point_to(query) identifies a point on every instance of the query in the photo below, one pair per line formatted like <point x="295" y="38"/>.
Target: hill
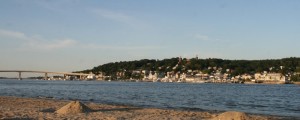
<point x="286" y="66"/>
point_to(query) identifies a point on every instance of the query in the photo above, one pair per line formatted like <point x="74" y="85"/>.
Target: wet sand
<point x="44" y="109"/>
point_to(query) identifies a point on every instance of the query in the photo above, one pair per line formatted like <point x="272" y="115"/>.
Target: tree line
<point x="235" y="67"/>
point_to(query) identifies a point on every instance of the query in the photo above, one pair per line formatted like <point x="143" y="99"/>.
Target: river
<point x="281" y="100"/>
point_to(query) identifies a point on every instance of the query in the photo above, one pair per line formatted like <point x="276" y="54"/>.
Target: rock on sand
<point x="73" y="108"/>
<point x="232" y="115"/>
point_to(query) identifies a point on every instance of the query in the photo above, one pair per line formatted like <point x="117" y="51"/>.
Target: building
<point x="270" y="77"/>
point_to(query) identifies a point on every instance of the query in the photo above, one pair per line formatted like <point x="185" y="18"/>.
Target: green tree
<point x="295" y="78"/>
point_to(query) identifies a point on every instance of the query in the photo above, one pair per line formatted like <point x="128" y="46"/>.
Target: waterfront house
<point x="246" y="77"/>
<point x="270" y="77"/>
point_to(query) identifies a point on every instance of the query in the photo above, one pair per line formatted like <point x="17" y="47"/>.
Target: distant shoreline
<point x="262" y="83"/>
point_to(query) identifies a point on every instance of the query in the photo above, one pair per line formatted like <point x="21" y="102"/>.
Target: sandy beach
<point x="46" y="109"/>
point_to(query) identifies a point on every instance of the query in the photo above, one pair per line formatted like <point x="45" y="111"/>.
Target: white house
<point x="270" y="77"/>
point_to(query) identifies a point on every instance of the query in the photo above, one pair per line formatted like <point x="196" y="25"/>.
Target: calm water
<point x="283" y="100"/>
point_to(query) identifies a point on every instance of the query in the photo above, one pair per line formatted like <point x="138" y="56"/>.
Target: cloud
<point x="12" y="34"/>
<point x="201" y="37"/>
<point x="110" y="47"/>
<point x="36" y="41"/>
<point x="50" y="45"/>
<point x="118" y="17"/>
<point x="206" y="38"/>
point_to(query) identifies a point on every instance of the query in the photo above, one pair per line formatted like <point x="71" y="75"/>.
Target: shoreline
<point x="249" y="83"/>
<point x="43" y="108"/>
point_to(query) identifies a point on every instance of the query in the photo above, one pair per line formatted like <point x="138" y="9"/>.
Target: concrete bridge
<point x="46" y="73"/>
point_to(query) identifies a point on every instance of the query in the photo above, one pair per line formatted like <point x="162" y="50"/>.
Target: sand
<point x="74" y="107"/>
<point x="232" y="115"/>
<point x="50" y="109"/>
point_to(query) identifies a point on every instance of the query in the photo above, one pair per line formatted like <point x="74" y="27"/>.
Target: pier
<point x="46" y="73"/>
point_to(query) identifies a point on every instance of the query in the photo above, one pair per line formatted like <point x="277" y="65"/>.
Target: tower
<point x="179" y="60"/>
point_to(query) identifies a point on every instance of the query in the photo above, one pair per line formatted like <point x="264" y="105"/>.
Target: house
<point x="270" y="77"/>
<point x="151" y="77"/>
<point x="246" y="77"/>
<point x="100" y="76"/>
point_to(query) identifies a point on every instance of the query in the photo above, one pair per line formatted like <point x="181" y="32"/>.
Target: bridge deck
<point x="48" y="72"/>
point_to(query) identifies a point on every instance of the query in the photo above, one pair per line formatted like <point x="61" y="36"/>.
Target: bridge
<point x="46" y="73"/>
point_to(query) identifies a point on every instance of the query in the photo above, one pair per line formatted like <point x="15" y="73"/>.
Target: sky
<point x="74" y="35"/>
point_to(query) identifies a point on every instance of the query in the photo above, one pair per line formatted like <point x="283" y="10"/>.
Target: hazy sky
<point x="70" y="35"/>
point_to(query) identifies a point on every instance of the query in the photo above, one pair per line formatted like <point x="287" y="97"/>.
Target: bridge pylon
<point x="20" y="75"/>
<point x="46" y="76"/>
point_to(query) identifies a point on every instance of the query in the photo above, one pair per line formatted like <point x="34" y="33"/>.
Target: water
<point x="282" y="100"/>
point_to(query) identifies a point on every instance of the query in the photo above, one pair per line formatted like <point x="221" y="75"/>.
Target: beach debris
<point x="73" y="108"/>
<point x="232" y="115"/>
